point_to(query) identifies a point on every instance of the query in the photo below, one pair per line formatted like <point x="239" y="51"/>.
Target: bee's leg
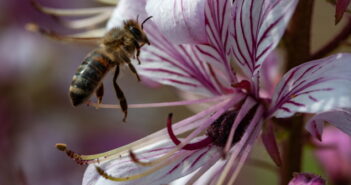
<point x="137" y="51"/>
<point x="120" y="95"/>
<point x="100" y="93"/>
<point x="130" y="65"/>
<point x="132" y="68"/>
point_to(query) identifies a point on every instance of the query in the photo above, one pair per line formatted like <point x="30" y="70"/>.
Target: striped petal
<point x="314" y="87"/>
<point x="182" y="66"/>
<point x="182" y="163"/>
<point x="217" y="25"/>
<point x="258" y="27"/>
<point x="127" y="9"/>
<point x="181" y="21"/>
<point x="339" y="118"/>
<point x="198" y="68"/>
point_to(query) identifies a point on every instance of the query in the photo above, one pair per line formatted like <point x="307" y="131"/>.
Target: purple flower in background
<point x="335" y="155"/>
<point x="195" y="47"/>
<point x="306" y="179"/>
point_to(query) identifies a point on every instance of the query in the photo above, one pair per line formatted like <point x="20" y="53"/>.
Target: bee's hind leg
<point x="120" y="95"/>
<point x="100" y="93"/>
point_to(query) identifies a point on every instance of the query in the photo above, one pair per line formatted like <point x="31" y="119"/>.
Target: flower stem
<point x="297" y="38"/>
<point x="292" y="150"/>
<point x="297" y="41"/>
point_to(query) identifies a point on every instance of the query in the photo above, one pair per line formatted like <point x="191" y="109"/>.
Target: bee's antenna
<point x="138" y="18"/>
<point x="145" y="21"/>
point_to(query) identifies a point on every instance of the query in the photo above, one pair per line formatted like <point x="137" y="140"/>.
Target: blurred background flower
<point x="35" y="111"/>
<point x="334" y="155"/>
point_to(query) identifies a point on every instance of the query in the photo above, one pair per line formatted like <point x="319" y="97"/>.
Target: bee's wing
<point x="82" y="37"/>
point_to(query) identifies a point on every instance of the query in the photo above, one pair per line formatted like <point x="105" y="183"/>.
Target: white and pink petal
<point x="218" y="20"/>
<point x="181" y="21"/>
<point x="127" y="9"/>
<point x="181" y="66"/>
<point x="187" y="162"/>
<point x="314" y="87"/>
<point x="339" y="118"/>
<point x="257" y="29"/>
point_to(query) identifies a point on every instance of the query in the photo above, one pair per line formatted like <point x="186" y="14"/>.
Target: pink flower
<point x="306" y="179"/>
<point x="335" y="155"/>
<point x="193" y="44"/>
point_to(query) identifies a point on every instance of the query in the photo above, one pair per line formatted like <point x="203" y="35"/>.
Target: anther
<point x="135" y="159"/>
<point x="102" y="172"/>
<point x="61" y="146"/>
<point x="75" y="156"/>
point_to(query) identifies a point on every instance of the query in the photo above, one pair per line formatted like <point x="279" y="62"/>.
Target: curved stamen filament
<point x="140" y="175"/>
<point x="136" y="160"/>
<point x="163" y="104"/>
<point x="242" y="148"/>
<point x="86" y="159"/>
<point x="70" y="12"/>
<point x="244" y="110"/>
<point x="182" y="127"/>
<point x="202" y="170"/>
<point x="192" y="146"/>
<point x="35" y="28"/>
<point x="75" y="156"/>
<point x="197" y="131"/>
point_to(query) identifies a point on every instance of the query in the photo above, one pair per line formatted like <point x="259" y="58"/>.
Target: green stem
<point x="297" y="40"/>
<point x="292" y="150"/>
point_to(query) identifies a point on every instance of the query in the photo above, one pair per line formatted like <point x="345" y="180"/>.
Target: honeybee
<point x="118" y="46"/>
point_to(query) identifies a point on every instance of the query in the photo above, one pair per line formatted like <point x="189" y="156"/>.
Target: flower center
<point x="220" y="128"/>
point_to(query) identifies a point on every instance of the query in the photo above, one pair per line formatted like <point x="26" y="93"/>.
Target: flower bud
<point x="306" y="179"/>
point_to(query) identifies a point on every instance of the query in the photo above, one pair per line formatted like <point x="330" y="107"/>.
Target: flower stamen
<point x="196" y="132"/>
<point x="241" y="152"/>
<point x="161" y="104"/>
<point x="192" y="146"/>
<point x="75" y="156"/>
<point x="136" y="160"/>
<point x="242" y="117"/>
<point x="202" y="170"/>
<point x="140" y="175"/>
<point x="86" y="159"/>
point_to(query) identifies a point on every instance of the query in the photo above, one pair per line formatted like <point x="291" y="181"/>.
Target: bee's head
<point x="137" y="30"/>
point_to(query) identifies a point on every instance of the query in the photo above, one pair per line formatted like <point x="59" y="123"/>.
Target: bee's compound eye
<point x="136" y="32"/>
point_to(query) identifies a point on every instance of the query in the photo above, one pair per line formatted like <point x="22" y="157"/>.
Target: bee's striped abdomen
<point x="88" y="76"/>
